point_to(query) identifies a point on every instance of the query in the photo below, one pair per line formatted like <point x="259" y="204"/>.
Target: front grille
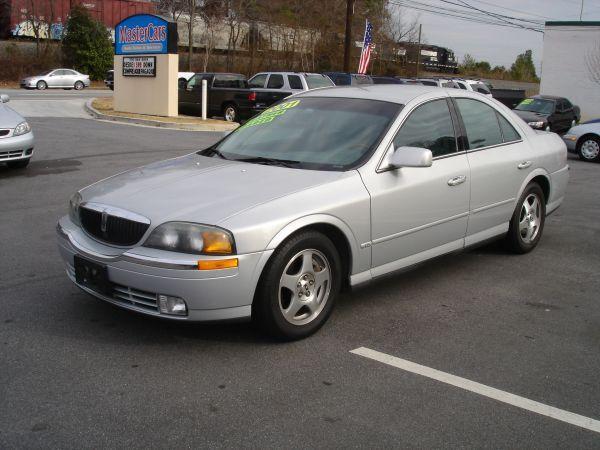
<point x="117" y="230"/>
<point x="11" y="154"/>
<point x="135" y="297"/>
<point x="4" y="133"/>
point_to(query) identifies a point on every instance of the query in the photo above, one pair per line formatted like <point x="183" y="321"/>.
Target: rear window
<point x="295" y="82"/>
<point x="229" y="81"/>
<point x="275" y="81"/>
<point x="317" y="81"/>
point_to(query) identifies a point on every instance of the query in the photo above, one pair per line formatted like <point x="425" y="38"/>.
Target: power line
<point x="460" y="15"/>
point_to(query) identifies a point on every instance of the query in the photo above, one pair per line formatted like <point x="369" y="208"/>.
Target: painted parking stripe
<point x="481" y="389"/>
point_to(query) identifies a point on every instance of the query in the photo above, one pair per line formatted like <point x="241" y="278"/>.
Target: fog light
<point x="29" y="151"/>
<point x="172" y="305"/>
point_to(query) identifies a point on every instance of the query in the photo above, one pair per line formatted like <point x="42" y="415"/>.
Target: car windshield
<point x="480" y="87"/>
<point x="311" y="133"/>
<point x="537" y="105"/>
<point x="318" y="81"/>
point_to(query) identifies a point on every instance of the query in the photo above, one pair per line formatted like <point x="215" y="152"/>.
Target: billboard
<point x="143" y="34"/>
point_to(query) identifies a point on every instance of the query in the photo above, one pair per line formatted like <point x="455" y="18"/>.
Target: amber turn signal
<point x="216" y="242"/>
<point x="216" y="264"/>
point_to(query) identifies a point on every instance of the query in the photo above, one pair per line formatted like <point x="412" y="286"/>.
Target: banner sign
<point x="139" y="66"/>
<point x="145" y="34"/>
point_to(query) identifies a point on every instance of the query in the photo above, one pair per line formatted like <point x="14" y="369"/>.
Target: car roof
<point x="289" y="73"/>
<point x="394" y="93"/>
<point x="549" y="97"/>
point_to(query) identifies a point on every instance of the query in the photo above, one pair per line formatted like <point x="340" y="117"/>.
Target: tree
<point x="87" y="45"/>
<point x="523" y="67"/>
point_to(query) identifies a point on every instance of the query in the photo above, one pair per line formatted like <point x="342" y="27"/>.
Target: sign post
<point x="146" y="65"/>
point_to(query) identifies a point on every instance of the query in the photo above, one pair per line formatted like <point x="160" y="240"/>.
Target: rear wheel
<point x="20" y="164"/>
<point x="527" y="222"/>
<point x="589" y="149"/>
<point x="299" y="287"/>
<point x="79" y="85"/>
<point x="230" y="113"/>
<point x="41" y="85"/>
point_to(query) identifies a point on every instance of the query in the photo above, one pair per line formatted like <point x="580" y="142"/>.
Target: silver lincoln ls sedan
<point x="329" y="189"/>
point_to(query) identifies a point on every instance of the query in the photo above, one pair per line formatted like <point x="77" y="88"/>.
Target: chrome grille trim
<point x="136" y="297"/>
<point x="11" y="154"/>
<point x="112" y="225"/>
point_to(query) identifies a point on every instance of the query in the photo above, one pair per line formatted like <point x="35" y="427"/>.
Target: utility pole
<point x="581" y="12"/>
<point x="419" y="52"/>
<point x="348" y="39"/>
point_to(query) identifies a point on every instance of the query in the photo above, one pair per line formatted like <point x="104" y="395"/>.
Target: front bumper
<point x="210" y="295"/>
<point x="27" y="84"/>
<point x="14" y="148"/>
<point x="570" y="142"/>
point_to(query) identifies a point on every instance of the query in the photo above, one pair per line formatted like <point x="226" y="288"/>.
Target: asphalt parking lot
<point x="77" y="372"/>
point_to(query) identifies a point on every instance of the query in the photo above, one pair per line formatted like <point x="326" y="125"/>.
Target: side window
<point x="567" y="104"/>
<point x="508" y="131"/>
<point x="195" y="81"/>
<point x="275" y="81"/>
<point x="258" y="81"/>
<point x="429" y="126"/>
<point x="68" y="72"/>
<point x="429" y="83"/>
<point x="462" y="85"/>
<point x="219" y="82"/>
<point x="342" y="80"/>
<point x="481" y="123"/>
<point x="295" y="82"/>
<point x="560" y="106"/>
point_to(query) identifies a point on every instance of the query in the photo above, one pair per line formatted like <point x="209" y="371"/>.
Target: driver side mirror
<point x="410" y="157"/>
<point x="4" y="98"/>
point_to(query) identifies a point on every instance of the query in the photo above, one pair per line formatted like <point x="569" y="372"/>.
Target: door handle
<point x="457" y="180"/>
<point x="524" y="165"/>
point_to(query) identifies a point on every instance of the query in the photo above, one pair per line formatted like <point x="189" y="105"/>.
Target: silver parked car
<point x="329" y="188"/>
<point x="291" y="82"/>
<point x="16" y="137"/>
<point x="58" y="78"/>
<point x="584" y="139"/>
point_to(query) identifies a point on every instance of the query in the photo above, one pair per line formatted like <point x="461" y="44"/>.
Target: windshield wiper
<point x="270" y="161"/>
<point x="211" y="151"/>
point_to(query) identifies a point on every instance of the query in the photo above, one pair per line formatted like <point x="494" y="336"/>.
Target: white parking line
<point x="482" y="389"/>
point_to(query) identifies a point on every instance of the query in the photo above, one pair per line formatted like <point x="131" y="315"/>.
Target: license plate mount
<point x="91" y="275"/>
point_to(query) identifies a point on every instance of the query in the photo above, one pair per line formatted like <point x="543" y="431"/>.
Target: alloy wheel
<point x="530" y="218"/>
<point x="304" y="287"/>
<point x="230" y="114"/>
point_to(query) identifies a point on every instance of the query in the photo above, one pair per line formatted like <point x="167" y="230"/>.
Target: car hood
<point x="200" y="189"/>
<point x="530" y="116"/>
<point x="9" y="118"/>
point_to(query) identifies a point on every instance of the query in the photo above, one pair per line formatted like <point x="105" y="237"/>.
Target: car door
<point x="54" y="79"/>
<point x="499" y="161"/>
<point x="69" y="78"/>
<point x="417" y="213"/>
<point x="190" y="98"/>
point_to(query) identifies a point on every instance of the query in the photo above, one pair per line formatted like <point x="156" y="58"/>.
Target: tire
<point x="231" y="113"/>
<point x="79" y="85"/>
<point x="588" y="148"/>
<point x="293" y="300"/>
<point x="20" y="164"/>
<point x="41" y="85"/>
<point x="527" y="222"/>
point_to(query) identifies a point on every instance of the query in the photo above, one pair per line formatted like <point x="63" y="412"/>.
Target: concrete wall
<point x="568" y="53"/>
<point x="156" y="96"/>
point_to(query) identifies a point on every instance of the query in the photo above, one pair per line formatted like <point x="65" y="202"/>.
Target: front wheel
<point x="527" y="222"/>
<point x="299" y="287"/>
<point x="230" y="113"/>
<point x="589" y="149"/>
<point x="41" y="85"/>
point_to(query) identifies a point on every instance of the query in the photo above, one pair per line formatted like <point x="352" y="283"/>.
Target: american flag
<point x="365" y="55"/>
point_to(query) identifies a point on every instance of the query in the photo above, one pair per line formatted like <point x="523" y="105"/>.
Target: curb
<point x="226" y="126"/>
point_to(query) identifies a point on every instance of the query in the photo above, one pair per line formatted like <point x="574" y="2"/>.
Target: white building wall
<point x="568" y="54"/>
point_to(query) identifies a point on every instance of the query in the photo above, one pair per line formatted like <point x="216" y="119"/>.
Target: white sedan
<point x="584" y="140"/>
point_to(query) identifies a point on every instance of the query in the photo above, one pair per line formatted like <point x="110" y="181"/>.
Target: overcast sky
<point x="499" y="45"/>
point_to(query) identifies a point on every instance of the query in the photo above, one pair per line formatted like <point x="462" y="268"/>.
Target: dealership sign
<point x="139" y="66"/>
<point x="145" y="34"/>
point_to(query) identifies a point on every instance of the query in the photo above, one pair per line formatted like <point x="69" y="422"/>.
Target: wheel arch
<point x="334" y="228"/>
<point x="583" y="137"/>
<point x="541" y="177"/>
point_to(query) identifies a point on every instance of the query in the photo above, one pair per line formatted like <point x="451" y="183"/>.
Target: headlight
<point x="191" y="238"/>
<point x="74" y="208"/>
<point x="536" y="124"/>
<point x="570" y="137"/>
<point x="22" y="128"/>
